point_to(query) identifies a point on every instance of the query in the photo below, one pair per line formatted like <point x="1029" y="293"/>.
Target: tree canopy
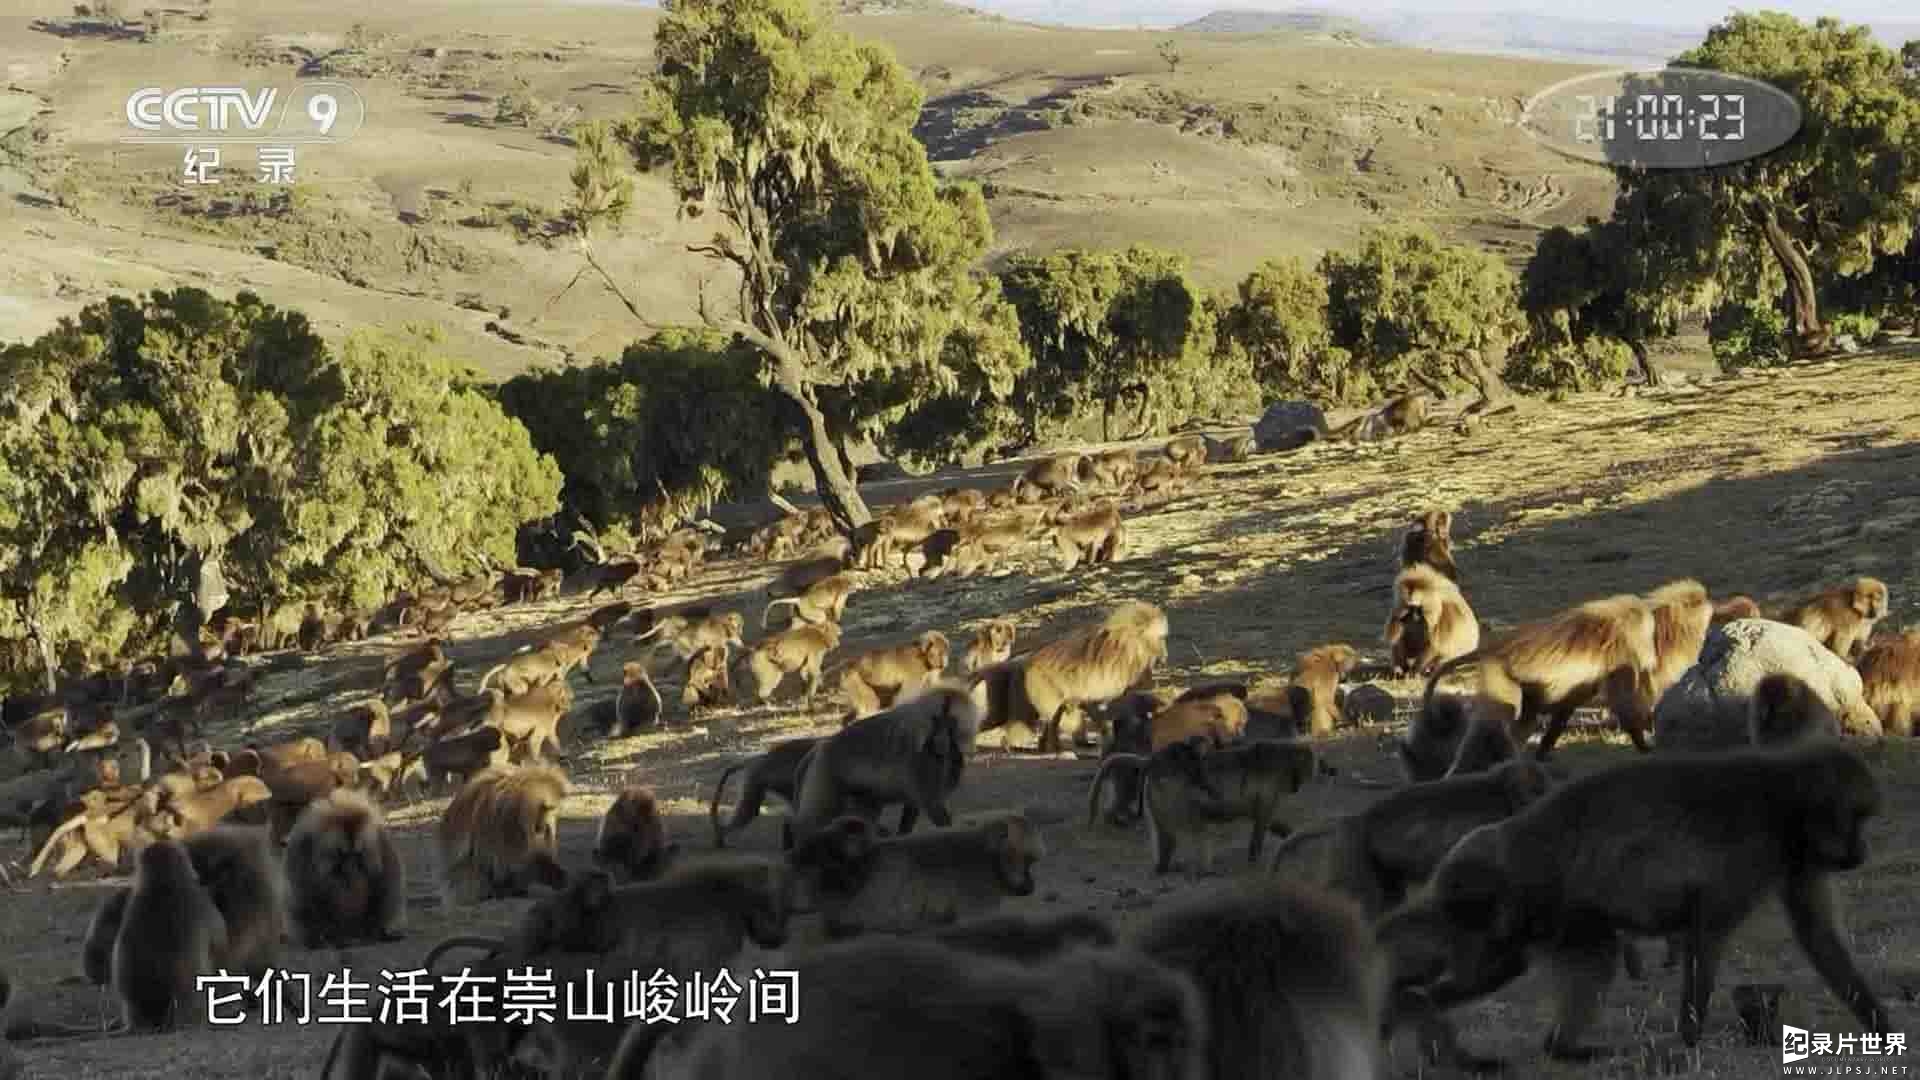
<point x="1278" y="318"/>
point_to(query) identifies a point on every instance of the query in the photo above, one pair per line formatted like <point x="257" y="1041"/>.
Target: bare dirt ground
<point x="1770" y="485"/>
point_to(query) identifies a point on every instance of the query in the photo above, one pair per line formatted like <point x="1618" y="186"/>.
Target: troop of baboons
<point x="1360" y="929"/>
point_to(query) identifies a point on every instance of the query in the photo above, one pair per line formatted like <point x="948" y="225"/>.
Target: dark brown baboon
<point x="235" y="865"/>
<point x="170" y="932"/>
<point x="500" y="832"/>
<point x="1093" y="664"/>
<point x="1233" y="448"/>
<point x="366" y="732"/>
<point x="799" y="650"/>
<point x="632" y="842"/>
<point x="1092" y="1012"/>
<point x="911" y="755"/>
<point x="1890" y="678"/>
<point x="637" y="708"/>
<point x="1126" y="775"/>
<point x="1602" y="648"/>
<point x="1673" y="845"/>
<point x="1428" y="541"/>
<point x="1784" y="709"/>
<point x="688" y="633"/>
<point x="1090" y="536"/>
<point x="773" y="770"/>
<point x="907" y="883"/>
<point x="1113" y="470"/>
<point x="1842" y="618"/>
<point x="877" y="679"/>
<point x="1434" y="736"/>
<point x="1431" y="622"/>
<point x="415" y="674"/>
<point x="1736" y="607"/>
<point x="303" y="782"/>
<point x="1682" y="614"/>
<point x="1187" y="451"/>
<point x="708" y="683"/>
<point x="1401" y="416"/>
<point x="1051" y="476"/>
<point x="992" y="643"/>
<point x="313" y="631"/>
<point x="1318" y="672"/>
<point x="1378" y="855"/>
<point x="464" y="755"/>
<point x="1253" y="781"/>
<point x="96" y="949"/>
<point x="291" y="752"/>
<point x="824" y="601"/>
<point x="346" y="883"/>
<point x="1027" y="939"/>
<point x="1294" y="984"/>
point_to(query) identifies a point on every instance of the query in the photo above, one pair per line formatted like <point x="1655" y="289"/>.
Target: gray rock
<point x="1368" y="704"/>
<point x="1707" y="708"/>
<point x="1288" y="425"/>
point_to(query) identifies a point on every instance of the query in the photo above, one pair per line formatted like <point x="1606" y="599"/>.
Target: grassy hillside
<point x="441" y="211"/>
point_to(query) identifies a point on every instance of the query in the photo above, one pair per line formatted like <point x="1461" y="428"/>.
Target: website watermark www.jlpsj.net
<point x="1817" y="1053"/>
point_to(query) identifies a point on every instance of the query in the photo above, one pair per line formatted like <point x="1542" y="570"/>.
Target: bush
<point x="1857" y="325"/>
<point x="1745" y="335"/>
<point x="1561" y="367"/>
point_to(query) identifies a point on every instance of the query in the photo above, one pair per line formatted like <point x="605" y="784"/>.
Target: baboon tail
<point x="1100" y="781"/>
<point x="713" y="809"/>
<point x="491" y="672"/>
<point x="767" y="615"/>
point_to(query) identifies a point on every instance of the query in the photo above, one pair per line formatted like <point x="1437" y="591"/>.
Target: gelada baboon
<point x="1052" y="476"/>
<point x="685" y="634"/>
<point x="1253" y="780"/>
<point x="637" y="708"/>
<point x="1683" y="845"/>
<point x="345" y="880"/>
<point x="1428" y="542"/>
<point x="170" y="932"/>
<point x="1113" y="470"/>
<point x="1027" y="939"/>
<point x="1233" y="448"/>
<point x="365" y="732"/>
<point x="1434" y="736"/>
<point x="1600" y="648"/>
<point x="1313" y="688"/>
<point x="992" y="643"/>
<point x="103" y="824"/>
<point x="1187" y="451"/>
<point x="1293" y="982"/>
<point x="908" y="883"/>
<point x="1379" y="854"/>
<point x="910" y="755"/>
<point x="1431" y="622"/>
<point x="464" y="755"/>
<point x="877" y="679"/>
<point x="824" y="601"/>
<point x="1090" y="665"/>
<point x="632" y="842"/>
<point x="1091" y="536"/>
<point x="772" y="771"/>
<point x="1735" y="607"/>
<point x="1890" y="678"/>
<point x="1220" y="719"/>
<point x="954" y="1016"/>
<point x="708" y="683"/>
<point x="1682" y="614"/>
<point x="1842" y="618"/>
<point x="799" y="650"/>
<point x="500" y="832"/>
<point x="235" y="866"/>
<point x="1126" y="775"/>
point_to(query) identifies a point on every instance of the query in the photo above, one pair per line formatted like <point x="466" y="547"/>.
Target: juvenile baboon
<point x="1434" y="737"/>
<point x="1842" y="618"/>
<point x="1052" y="476"/>
<point x="170" y="932"/>
<point x="345" y="881"/>
<point x="464" y="755"/>
<point x="1233" y="448"/>
<point x="103" y="823"/>
<point x="1093" y="664"/>
<point x="1027" y="939"/>
<point x="1602" y="648"/>
<point x="1736" y="607"/>
<point x="907" y="883"/>
<point x="911" y="755"/>
<point x="202" y="809"/>
<point x="632" y="842"/>
<point x="1682" y="614"/>
<point x="1127" y="775"/>
<point x="1378" y="855"/>
<point x="1253" y="781"/>
<point x="799" y="650"/>
<point x="1089" y="1013"/>
<point x="825" y="601"/>
<point x="1784" y="709"/>
<point x="1220" y="719"/>
<point x="707" y="682"/>
<point x="387" y="774"/>
<point x="1090" y="536"/>
<point x="985" y="542"/>
<point x="879" y="678"/>
<point x="549" y="663"/>
<point x="1431" y="622"/>
<point x="365" y="732"/>
<point x="1673" y="845"/>
<point x="637" y="708"/>
<point x="1293" y="982"/>
<point x="235" y="867"/>
<point x="897" y="530"/>
<point x="1890" y="678"/>
<point x="411" y="675"/>
<point x="1318" y="672"/>
<point x="1428" y="541"/>
<point x="686" y="634"/>
<point x="1113" y="470"/>
<point x="1187" y="451"/>
<point x="992" y="643"/>
<point x="531" y="721"/>
<point x="771" y="771"/>
<point x="500" y="832"/>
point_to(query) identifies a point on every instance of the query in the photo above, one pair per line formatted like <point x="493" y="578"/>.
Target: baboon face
<point x="934" y="648"/>
<point x="1870" y="599"/>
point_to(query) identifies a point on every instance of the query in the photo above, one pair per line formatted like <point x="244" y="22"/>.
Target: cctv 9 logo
<point x="315" y="112"/>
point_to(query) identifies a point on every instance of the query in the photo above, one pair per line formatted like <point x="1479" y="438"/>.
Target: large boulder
<point x="1288" y="425"/>
<point x="1707" y="708"/>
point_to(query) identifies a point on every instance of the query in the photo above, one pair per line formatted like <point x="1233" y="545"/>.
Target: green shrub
<point x="1744" y="335"/>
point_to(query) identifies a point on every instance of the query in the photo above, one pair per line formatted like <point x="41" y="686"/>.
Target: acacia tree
<point x="1410" y="307"/>
<point x="1104" y="326"/>
<point x="853" y="264"/>
<point x="1844" y="191"/>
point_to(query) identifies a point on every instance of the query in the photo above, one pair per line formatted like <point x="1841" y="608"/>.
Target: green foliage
<point x="679" y="422"/>
<point x="1278" y="319"/>
<point x="1544" y="366"/>
<point x="1858" y="325"/>
<point x="1749" y="335"/>
<point x="1105" y="325"/>
<point x="1406" y="303"/>
<point x="1170" y="54"/>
